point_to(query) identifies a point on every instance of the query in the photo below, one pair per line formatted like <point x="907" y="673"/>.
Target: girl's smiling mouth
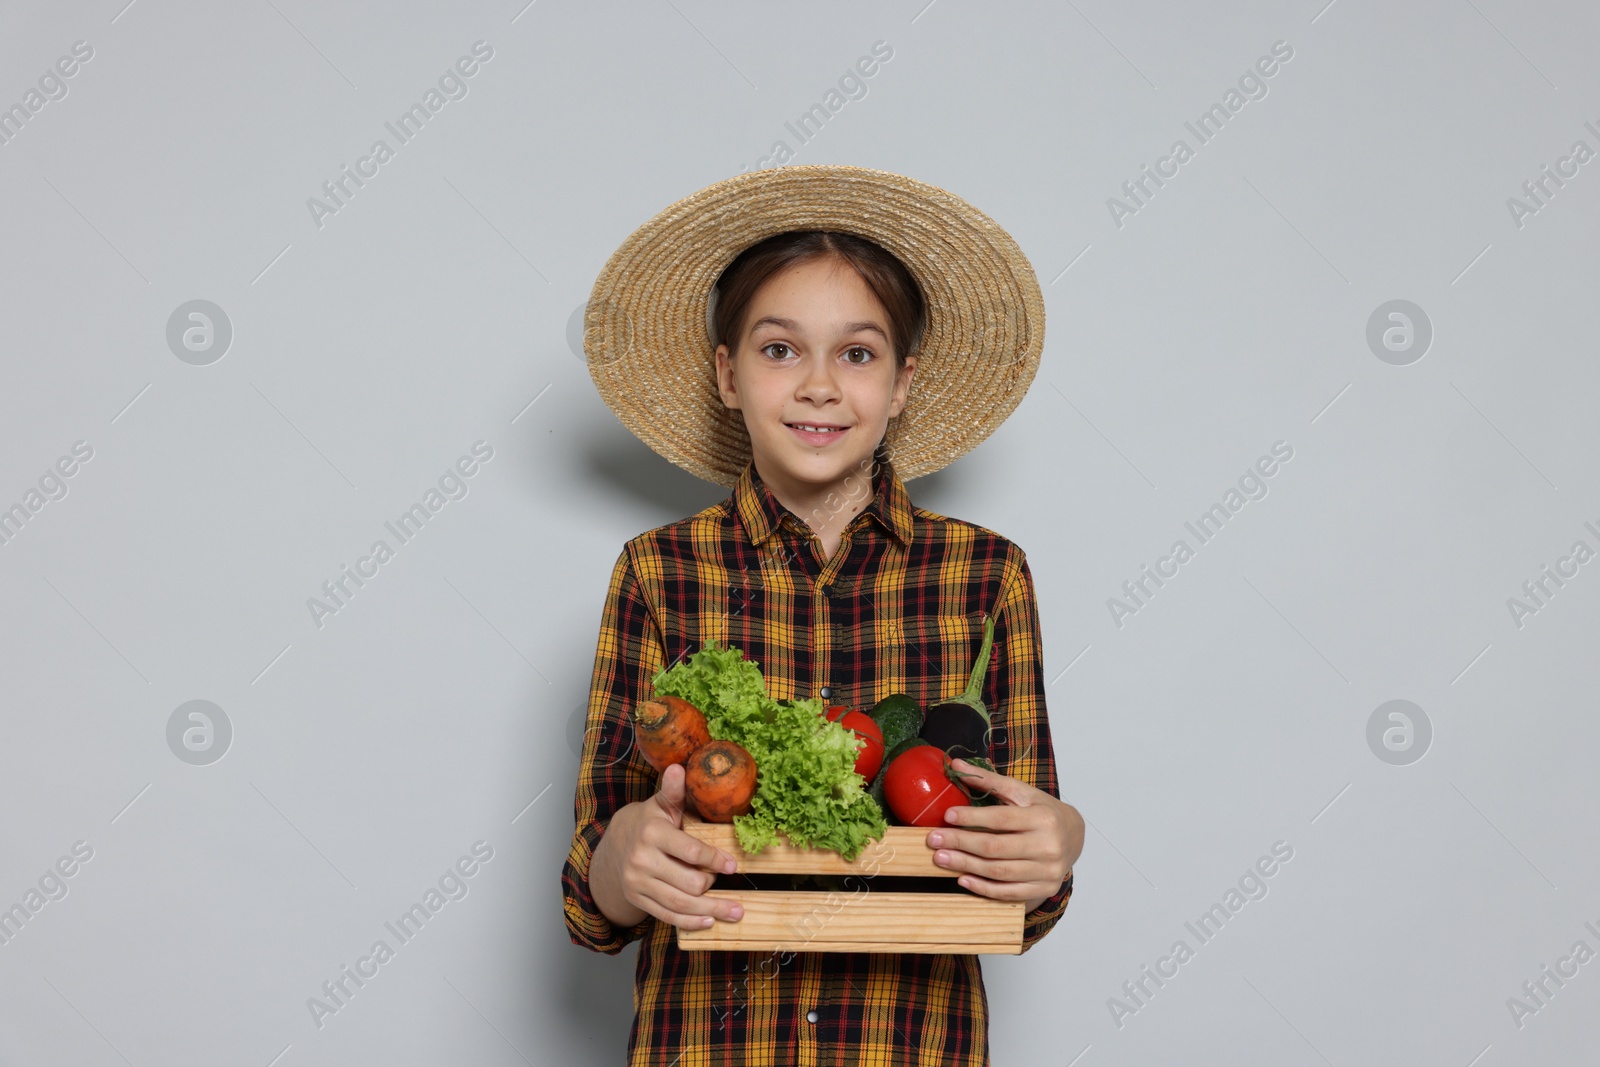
<point x="818" y="433"/>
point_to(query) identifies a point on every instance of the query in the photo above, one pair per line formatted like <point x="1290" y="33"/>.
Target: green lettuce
<point x="806" y="784"/>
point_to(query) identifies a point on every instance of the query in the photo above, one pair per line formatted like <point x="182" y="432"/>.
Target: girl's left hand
<point x="1020" y="849"/>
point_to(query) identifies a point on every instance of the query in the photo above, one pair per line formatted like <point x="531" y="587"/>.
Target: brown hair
<point x="883" y="272"/>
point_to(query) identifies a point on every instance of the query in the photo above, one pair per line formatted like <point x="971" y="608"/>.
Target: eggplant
<point x="960" y="725"/>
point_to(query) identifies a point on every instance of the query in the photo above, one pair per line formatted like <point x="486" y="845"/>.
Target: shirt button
<point x="811" y="1016"/>
<point x="827" y="692"/>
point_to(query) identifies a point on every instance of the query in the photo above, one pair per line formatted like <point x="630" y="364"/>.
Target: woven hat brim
<point x="652" y="359"/>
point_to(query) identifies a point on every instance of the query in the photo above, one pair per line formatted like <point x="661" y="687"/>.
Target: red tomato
<point x="871" y="755"/>
<point x="917" y="788"/>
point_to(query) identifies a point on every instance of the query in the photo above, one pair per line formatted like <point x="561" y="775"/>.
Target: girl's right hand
<point x="659" y="867"/>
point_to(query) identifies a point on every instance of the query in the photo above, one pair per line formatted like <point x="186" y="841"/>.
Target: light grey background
<point x="434" y="310"/>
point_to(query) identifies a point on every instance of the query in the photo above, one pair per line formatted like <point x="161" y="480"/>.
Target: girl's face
<point x="816" y="353"/>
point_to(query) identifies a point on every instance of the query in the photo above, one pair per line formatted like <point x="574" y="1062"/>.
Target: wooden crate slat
<point x="903" y="850"/>
<point x="999" y="948"/>
<point x="864" y="921"/>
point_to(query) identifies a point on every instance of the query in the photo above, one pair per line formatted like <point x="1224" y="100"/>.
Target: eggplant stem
<point x="981" y="666"/>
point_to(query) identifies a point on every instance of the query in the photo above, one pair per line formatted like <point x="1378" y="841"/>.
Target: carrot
<point x="668" y="730"/>
<point x="720" y="780"/>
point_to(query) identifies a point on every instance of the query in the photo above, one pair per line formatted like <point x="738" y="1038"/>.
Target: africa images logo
<point x="342" y="189"/>
<point x="453" y="885"/>
<point x="453" y="485"/>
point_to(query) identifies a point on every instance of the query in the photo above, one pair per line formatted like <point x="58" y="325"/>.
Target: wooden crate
<point x="868" y="917"/>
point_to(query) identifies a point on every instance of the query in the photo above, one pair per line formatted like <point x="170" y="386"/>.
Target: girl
<point x="765" y="334"/>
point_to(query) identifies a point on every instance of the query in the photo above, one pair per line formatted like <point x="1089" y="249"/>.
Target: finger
<point x="686" y="910"/>
<point x="977" y="842"/>
<point x="672" y="871"/>
<point x="674" y="918"/>
<point x="684" y="846"/>
<point x="662" y="858"/>
<point x="1003" y="869"/>
<point x="670" y="797"/>
<point x="1008" y="817"/>
<point x="1011" y="790"/>
<point x="1003" y="890"/>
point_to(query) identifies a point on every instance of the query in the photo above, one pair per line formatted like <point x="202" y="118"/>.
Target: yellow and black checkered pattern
<point x="898" y="609"/>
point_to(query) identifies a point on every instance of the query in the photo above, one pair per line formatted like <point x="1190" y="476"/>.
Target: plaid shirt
<point x="899" y="608"/>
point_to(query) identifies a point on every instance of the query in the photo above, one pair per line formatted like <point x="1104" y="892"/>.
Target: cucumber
<point x="898" y="716"/>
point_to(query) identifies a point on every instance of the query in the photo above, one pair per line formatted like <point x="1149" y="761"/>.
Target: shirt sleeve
<point x="611" y="771"/>
<point x="1019" y="741"/>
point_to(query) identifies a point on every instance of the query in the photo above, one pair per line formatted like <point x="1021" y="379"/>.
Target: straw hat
<point x="647" y="327"/>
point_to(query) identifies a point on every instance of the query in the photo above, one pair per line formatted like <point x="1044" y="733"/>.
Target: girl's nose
<point x="819" y="379"/>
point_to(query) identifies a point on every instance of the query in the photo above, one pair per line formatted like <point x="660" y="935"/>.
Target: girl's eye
<point x="783" y="350"/>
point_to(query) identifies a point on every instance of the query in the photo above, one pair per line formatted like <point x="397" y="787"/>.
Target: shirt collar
<point x="762" y="514"/>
